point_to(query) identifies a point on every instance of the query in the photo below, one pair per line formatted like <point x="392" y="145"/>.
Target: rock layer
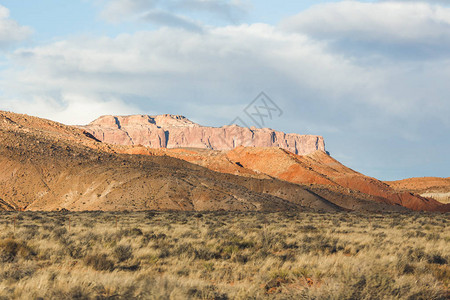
<point x="173" y="131"/>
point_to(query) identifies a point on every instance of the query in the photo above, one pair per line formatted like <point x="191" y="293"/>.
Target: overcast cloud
<point x="392" y="29"/>
<point x="371" y="77"/>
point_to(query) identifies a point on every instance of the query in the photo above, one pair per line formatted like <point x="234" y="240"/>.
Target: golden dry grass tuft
<point x="187" y="255"/>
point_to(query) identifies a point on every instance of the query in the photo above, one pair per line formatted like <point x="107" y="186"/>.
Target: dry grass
<point x="168" y="255"/>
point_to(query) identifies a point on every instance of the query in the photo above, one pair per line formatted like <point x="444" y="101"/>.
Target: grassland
<point x="175" y="255"/>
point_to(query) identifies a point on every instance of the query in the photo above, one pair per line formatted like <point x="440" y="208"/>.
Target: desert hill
<point x="220" y="162"/>
<point x="50" y="166"/>
<point x="174" y="131"/>
<point x="319" y="171"/>
<point x="274" y="154"/>
<point x="429" y="187"/>
<point x="318" y="168"/>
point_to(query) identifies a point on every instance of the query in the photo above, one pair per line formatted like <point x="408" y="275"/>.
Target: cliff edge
<point x="174" y="131"/>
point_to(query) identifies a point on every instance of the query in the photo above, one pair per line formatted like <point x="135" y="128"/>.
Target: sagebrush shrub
<point x="99" y="262"/>
<point x="10" y="249"/>
<point x="123" y="252"/>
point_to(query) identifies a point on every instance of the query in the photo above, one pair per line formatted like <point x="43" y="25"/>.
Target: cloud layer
<point x="333" y="69"/>
<point x="387" y="28"/>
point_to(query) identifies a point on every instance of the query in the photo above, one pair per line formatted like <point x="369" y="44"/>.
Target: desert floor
<point x="182" y="255"/>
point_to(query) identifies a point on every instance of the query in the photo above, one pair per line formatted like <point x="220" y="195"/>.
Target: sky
<point x="371" y="77"/>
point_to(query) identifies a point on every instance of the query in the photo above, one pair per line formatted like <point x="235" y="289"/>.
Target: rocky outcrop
<point x="172" y="131"/>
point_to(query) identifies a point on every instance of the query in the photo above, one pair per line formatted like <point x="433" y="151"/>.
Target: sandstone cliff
<point x="171" y="131"/>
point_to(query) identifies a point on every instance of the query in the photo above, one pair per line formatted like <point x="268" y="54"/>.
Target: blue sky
<point x="370" y="76"/>
<point x="83" y="17"/>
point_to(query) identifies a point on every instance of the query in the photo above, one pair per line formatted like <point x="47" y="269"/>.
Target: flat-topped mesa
<point x="143" y="120"/>
<point x="175" y="131"/>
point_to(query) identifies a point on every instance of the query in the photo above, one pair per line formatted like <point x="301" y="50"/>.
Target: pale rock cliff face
<point x="173" y="131"/>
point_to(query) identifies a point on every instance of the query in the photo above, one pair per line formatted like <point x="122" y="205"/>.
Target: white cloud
<point x="169" y="69"/>
<point x="74" y="109"/>
<point x="394" y="28"/>
<point x="150" y="63"/>
<point x="11" y="31"/>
